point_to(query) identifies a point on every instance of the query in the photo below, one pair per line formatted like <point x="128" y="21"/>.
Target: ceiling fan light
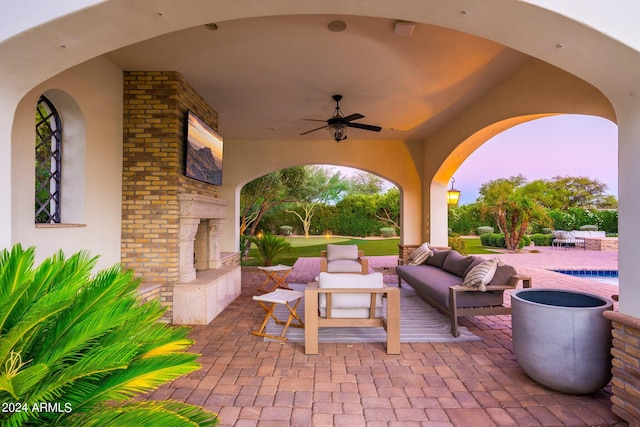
<point x="338" y="131"/>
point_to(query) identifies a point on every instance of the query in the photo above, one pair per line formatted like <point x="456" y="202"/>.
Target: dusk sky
<point x="566" y="145"/>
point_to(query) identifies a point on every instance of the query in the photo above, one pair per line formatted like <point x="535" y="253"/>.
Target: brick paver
<point x="250" y="382"/>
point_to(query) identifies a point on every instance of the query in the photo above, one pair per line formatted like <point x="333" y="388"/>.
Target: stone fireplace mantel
<point x="195" y="209"/>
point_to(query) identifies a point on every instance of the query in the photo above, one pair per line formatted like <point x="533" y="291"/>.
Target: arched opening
<point x="549" y="149"/>
<point x="320" y="201"/>
<point x="561" y="145"/>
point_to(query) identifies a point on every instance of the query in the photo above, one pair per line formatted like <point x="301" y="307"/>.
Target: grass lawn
<point x="474" y="246"/>
<point x="311" y="247"/>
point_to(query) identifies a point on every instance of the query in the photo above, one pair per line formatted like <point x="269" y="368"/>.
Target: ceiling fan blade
<point x="315" y="120"/>
<point x="355" y="116"/>
<point x="365" y="127"/>
<point x="313" y="130"/>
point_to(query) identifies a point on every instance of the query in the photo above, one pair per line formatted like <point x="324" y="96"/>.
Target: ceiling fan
<point x="338" y="123"/>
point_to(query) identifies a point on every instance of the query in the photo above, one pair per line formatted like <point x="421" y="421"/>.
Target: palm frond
<point x="142" y="376"/>
<point x="150" y="413"/>
<point x="15" y="274"/>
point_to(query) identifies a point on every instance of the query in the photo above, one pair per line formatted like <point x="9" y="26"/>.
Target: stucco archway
<point x="391" y="160"/>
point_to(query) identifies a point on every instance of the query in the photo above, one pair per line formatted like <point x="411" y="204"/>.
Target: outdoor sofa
<point x="440" y="281"/>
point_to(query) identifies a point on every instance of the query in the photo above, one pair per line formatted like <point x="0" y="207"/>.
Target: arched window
<point x="48" y="162"/>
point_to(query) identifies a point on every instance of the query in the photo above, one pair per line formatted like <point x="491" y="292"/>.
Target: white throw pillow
<point x="420" y="255"/>
<point x="482" y="274"/>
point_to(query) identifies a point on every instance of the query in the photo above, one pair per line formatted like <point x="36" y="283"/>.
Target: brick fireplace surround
<point x="168" y="220"/>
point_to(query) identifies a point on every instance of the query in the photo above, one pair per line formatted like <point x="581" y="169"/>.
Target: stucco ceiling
<point x="264" y="76"/>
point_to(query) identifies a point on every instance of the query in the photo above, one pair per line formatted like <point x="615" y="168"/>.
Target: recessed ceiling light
<point x="211" y="26"/>
<point x="337" y="26"/>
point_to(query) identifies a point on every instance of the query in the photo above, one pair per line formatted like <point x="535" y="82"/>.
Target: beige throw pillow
<point x="420" y="255"/>
<point x="482" y="274"/>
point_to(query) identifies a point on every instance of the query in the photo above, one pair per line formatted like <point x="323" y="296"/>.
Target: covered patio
<point x="249" y="381"/>
<point x="515" y="61"/>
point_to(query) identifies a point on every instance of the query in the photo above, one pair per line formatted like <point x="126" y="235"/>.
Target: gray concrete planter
<point x="561" y="338"/>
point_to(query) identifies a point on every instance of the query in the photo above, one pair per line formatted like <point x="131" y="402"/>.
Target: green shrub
<point x="573" y="218"/>
<point x="542" y="239"/>
<point x="466" y="219"/>
<point x="546" y="230"/>
<point x="497" y="240"/>
<point x="484" y="239"/>
<point x="88" y="342"/>
<point x="484" y="230"/>
<point x="525" y="241"/>
<point x="387" y="231"/>
<point x="589" y="228"/>
<point x="269" y="247"/>
<point x="608" y="221"/>
<point x="493" y="239"/>
<point x="286" y="230"/>
<point x="458" y="244"/>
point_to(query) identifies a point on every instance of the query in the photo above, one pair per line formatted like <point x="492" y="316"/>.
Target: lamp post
<point x="453" y="195"/>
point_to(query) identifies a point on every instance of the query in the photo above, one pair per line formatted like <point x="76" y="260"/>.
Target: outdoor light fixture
<point x="453" y="195"/>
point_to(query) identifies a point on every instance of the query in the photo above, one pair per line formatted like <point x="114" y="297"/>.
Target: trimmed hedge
<point x="387" y="231"/>
<point x="484" y="230"/>
<point x="497" y="240"/>
<point x="542" y="239"/>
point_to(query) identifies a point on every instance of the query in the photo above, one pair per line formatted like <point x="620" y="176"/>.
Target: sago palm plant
<point x="269" y="247"/>
<point x="76" y="348"/>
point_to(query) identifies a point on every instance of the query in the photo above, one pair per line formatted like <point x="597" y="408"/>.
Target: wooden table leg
<point x="393" y="321"/>
<point x="311" y="321"/>
<point x="280" y="283"/>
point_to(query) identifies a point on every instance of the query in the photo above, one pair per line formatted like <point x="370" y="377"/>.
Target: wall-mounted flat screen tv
<point x="204" y="151"/>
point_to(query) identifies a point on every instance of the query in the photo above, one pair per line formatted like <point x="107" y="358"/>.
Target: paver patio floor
<point x="251" y="382"/>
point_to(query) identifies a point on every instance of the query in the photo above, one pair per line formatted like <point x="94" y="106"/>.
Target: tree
<point x="580" y="192"/>
<point x="511" y="204"/>
<point x="389" y="208"/>
<point x="363" y="182"/>
<point x="317" y="188"/>
<point x="263" y="193"/>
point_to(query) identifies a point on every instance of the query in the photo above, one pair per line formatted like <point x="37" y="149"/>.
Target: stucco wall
<point x="89" y="99"/>
<point x="395" y="161"/>
<point x="536" y="90"/>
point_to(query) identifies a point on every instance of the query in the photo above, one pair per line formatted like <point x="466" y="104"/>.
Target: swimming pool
<point x="603" y="276"/>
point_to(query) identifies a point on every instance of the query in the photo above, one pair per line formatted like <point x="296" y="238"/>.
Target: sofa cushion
<point x="354" y="305"/>
<point x="420" y="255"/>
<point x="481" y="274"/>
<point x="342" y="252"/>
<point x="457" y="264"/>
<point x="437" y="259"/>
<point x="476" y="261"/>
<point x="344" y="266"/>
<point x="503" y="275"/>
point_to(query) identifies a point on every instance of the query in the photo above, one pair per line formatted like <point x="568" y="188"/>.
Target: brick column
<point x="626" y="366"/>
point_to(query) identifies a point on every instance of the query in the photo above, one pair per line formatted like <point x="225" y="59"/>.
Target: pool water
<point x="609" y="277"/>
